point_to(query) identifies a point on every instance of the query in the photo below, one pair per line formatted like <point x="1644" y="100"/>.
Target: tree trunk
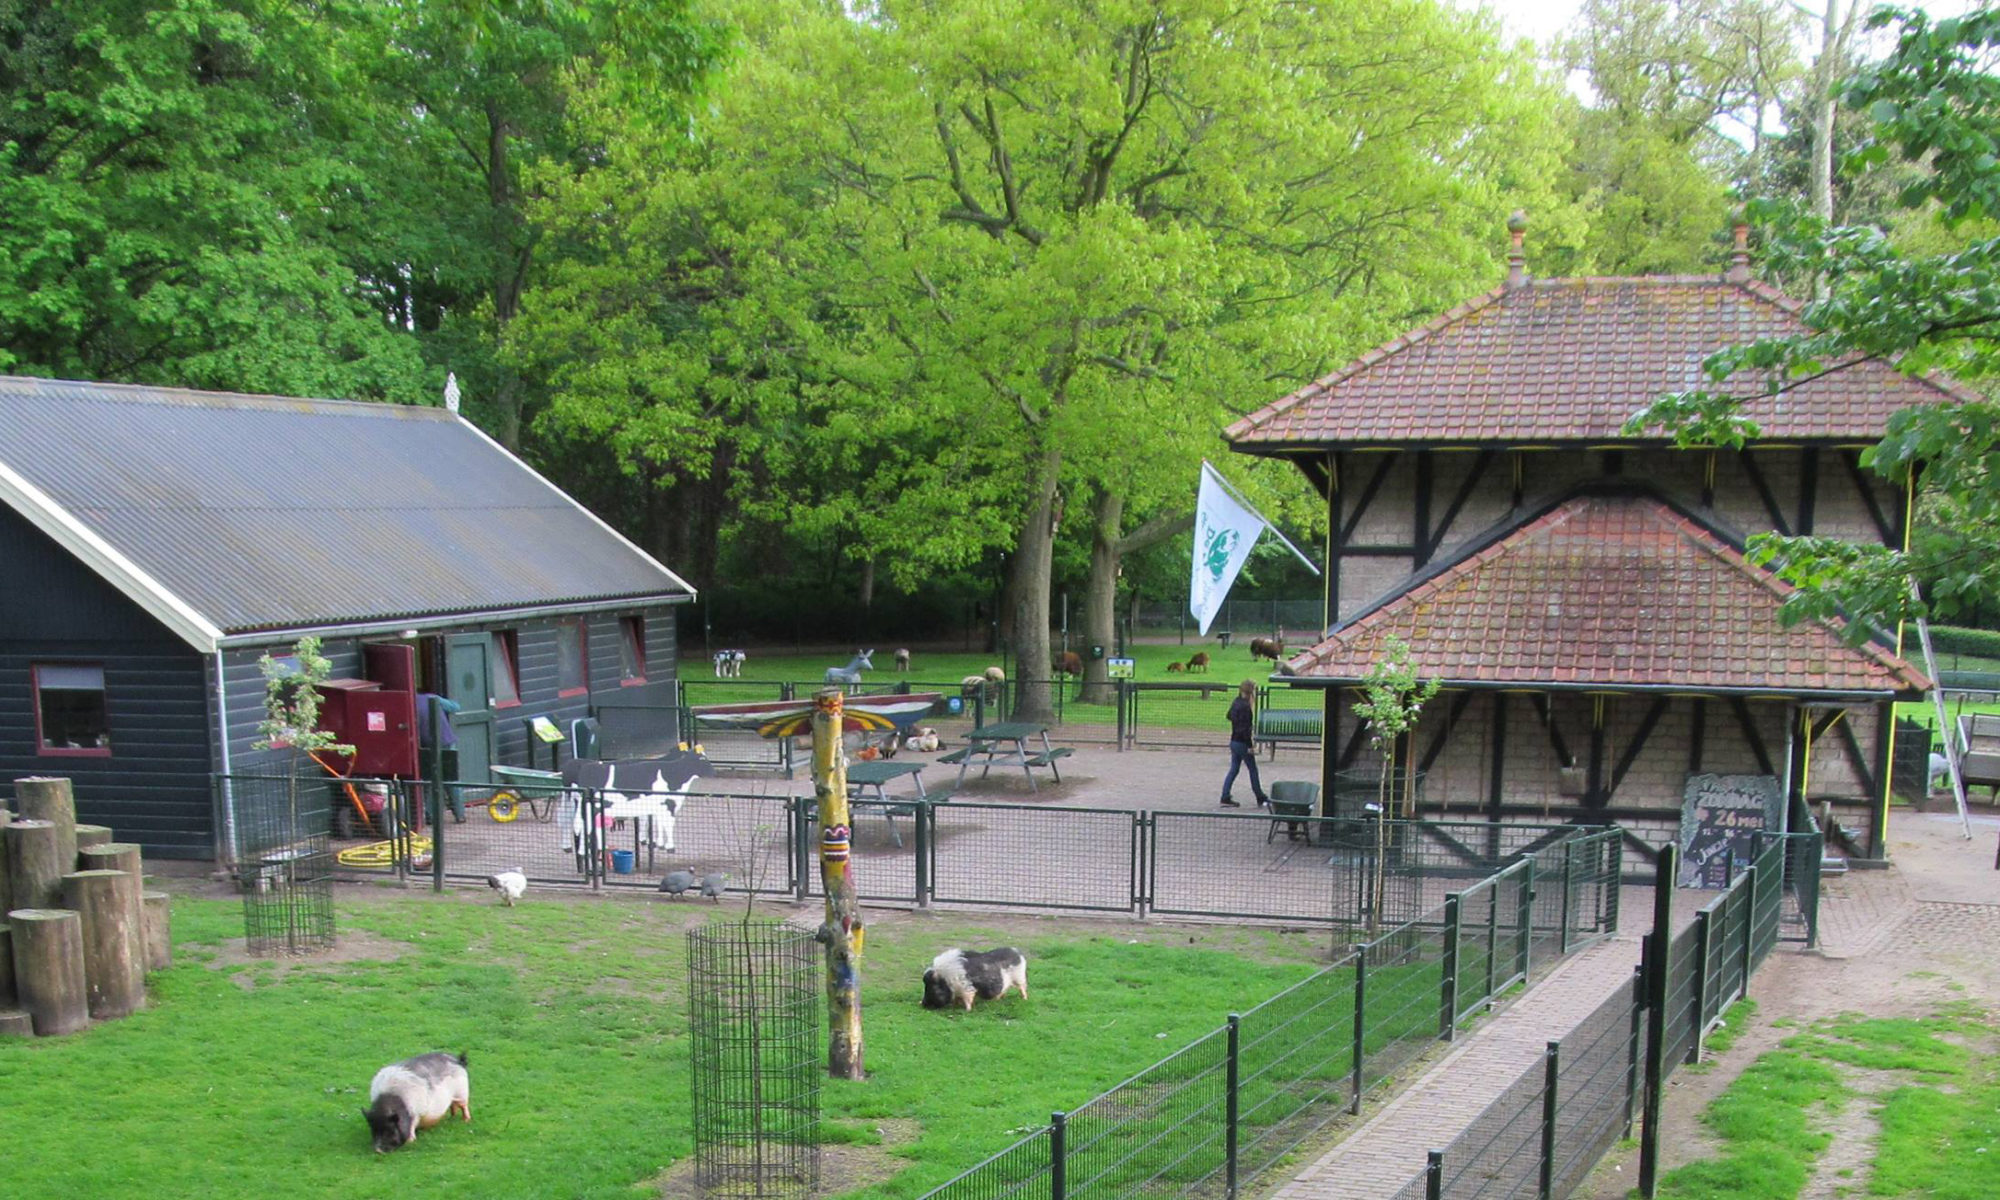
<point x="121" y="856"/>
<point x="1029" y="585"/>
<point x="9" y="997"/>
<point x="45" y="799"/>
<point x="15" y="1023"/>
<point x="91" y="835"/>
<point x="1823" y="113"/>
<point x="1100" y="594"/>
<point x="35" y="865"/>
<point x="841" y="934"/>
<point x="114" y="966"/>
<point x="6" y="879"/>
<point x="510" y="267"/>
<point x="48" y="968"/>
<point x="867" y="596"/>
<point x="159" y="930"/>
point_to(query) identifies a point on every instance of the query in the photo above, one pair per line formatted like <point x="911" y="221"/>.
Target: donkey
<point x="851" y="673"/>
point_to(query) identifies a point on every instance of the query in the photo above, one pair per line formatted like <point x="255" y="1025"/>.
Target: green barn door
<point x="467" y="681"/>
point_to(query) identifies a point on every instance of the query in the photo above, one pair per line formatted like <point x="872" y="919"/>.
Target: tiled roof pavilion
<point x="1569" y="361"/>
<point x="1607" y="592"/>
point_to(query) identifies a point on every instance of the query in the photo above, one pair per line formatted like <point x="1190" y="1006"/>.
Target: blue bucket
<point x="621" y="862"/>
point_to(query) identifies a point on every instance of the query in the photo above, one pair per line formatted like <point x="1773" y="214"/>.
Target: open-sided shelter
<point x="155" y="543"/>
<point x="1582" y="593"/>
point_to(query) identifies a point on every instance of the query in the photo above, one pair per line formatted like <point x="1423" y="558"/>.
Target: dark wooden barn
<point x="155" y="543"/>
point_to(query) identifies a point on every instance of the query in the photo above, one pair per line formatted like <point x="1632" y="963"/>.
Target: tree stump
<point x="121" y="856"/>
<point x="159" y="942"/>
<point x="6" y="884"/>
<point x="114" y="954"/>
<point x="91" y="835"/>
<point x="8" y="996"/>
<point x="48" y="968"/>
<point x="43" y="799"/>
<point x="15" y="1023"/>
<point x="35" y="865"/>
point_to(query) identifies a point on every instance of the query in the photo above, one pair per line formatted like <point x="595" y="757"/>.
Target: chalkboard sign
<point x="1719" y="813"/>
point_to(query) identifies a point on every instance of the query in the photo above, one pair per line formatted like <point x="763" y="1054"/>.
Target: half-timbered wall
<point x="1394" y="512"/>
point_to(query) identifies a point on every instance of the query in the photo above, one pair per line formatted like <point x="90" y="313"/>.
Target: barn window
<point x="70" y="717"/>
<point x="505" y="669"/>
<point x="572" y="658"/>
<point x="631" y="651"/>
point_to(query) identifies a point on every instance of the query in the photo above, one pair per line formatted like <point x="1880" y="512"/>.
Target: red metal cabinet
<point x="380" y="725"/>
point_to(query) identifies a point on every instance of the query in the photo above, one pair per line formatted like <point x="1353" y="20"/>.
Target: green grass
<point x="1939" y="1127"/>
<point x="245" y="1078"/>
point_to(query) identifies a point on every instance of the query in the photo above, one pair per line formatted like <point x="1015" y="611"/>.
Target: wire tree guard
<point x="754" y="1018"/>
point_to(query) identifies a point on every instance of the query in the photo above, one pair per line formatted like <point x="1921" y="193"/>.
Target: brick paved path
<point x="1387" y="1150"/>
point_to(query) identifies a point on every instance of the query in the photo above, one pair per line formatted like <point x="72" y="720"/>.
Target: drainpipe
<point x="226" y="828"/>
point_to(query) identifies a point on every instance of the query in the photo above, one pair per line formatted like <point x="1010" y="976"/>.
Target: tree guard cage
<point x="754" y="1019"/>
<point x="285" y="861"/>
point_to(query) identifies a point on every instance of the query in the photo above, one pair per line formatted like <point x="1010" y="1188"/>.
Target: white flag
<point x="1224" y="533"/>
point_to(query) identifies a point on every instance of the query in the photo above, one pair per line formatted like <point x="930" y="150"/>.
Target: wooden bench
<point x="1047" y="758"/>
<point x="957" y="756"/>
<point x="1293" y="726"/>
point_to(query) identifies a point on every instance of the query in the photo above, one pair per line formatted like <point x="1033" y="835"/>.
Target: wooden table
<point x="1006" y="745"/>
<point x="876" y="775"/>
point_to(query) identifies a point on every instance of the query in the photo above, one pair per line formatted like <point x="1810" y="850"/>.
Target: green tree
<point x="1935" y="104"/>
<point x="1392" y="698"/>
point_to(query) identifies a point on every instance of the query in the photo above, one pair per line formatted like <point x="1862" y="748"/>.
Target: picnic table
<point x="1007" y="745"/>
<point x="876" y="775"/>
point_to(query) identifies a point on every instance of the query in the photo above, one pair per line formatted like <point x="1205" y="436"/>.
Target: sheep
<point x="1199" y="662"/>
<point x="923" y="739"/>
<point x="729" y="664"/>
<point x="995" y="675"/>
<point x="1173" y="668"/>
<point x="1271" y="648"/>
<point x="903" y="659"/>
<point x="1068" y="662"/>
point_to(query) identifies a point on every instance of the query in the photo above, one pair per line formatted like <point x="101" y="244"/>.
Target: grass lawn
<point x="244" y="1078"/>
<point x="1936" y="1121"/>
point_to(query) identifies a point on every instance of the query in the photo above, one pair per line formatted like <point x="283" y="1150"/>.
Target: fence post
<point x="1551" y="1069"/>
<point x="1569" y="886"/>
<point x="1434" y="1175"/>
<point x="1702" y="934"/>
<point x="1659" y="946"/>
<point x="1615" y="886"/>
<point x="1230" y="1103"/>
<point x="1118" y="694"/>
<point x="1360" y="1025"/>
<point x="1448" y="1014"/>
<point x="437" y="827"/>
<point x="1526" y="916"/>
<point x="1492" y="938"/>
<point x="922" y="815"/>
<point x="1632" y="1043"/>
<point x="1816" y="852"/>
<point x="1058" y="1153"/>
<point x="1749" y="925"/>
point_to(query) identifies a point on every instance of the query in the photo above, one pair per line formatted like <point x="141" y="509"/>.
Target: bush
<point x="1972" y="643"/>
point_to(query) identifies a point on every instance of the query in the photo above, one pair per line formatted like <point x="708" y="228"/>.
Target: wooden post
<point x="44" y="799"/>
<point x="122" y="856"/>
<point x="15" y="1023"/>
<point x="842" y="932"/>
<point x="35" y="865"/>
<point x="91" y="835"/>
<point x="6" y="883"/>
<point x="48" y="968"/>
<point x="8" y="996"/>
<point x="114" y="968"/>
<point x="158" y="939"/>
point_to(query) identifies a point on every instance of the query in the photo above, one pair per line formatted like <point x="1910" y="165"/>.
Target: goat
<point x="851" y="673"/>
<point x="903" y="659"/>
<point x="1271" y="648"/>
<point x="1068" y="662"/>
<point x="1199" y="662"/>
<point x="1173" y="668"/>
<point x="729" y="663"/>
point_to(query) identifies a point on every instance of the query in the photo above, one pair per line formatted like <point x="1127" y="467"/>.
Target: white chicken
<point x="510" y="884"/>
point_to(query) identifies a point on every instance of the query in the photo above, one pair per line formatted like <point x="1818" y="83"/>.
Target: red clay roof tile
<point x="1612" y="592"/>
<point x="1569" y="360"/>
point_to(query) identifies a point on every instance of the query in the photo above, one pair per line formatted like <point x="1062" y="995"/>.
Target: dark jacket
<point x="1239" y="721"/>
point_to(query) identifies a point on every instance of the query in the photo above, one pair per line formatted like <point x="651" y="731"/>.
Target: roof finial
<point x="1739" y="258"/>
<point x="451" y="391"/>
<point x="1517" y="258"/>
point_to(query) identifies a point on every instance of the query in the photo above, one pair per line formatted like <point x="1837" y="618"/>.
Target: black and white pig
<point x="414" y="1094"/>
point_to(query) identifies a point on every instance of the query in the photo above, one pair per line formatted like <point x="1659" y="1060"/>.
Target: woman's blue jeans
<point x="1242" y="754"/>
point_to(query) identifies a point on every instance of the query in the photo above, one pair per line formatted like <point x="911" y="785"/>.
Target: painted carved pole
<point x="841" y="934"/>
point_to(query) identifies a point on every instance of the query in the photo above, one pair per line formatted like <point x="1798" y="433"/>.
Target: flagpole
<point x="1268" y="526"/>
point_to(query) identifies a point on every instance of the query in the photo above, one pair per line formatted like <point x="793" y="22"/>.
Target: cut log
<point x="159" y="942"/>
<point x="91" y="835"/>
<point x="44" y="799"/>
<point x="15" y="1023"/>
<point x="114" y="954"/>
<point x="48" y="968"/>
<point x="35" y="865"/>
<point x="6" y="880"/>
<point x="121" y="856"/>
<point x="8" y="996"/>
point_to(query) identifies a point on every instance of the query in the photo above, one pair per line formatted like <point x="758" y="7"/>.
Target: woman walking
<point x="1242" y="750"/>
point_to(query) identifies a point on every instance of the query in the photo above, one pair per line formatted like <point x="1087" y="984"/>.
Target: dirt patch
<point x="350" y="947"/>
<point x="1843" y="1169"/>
<point x="843" y="1166"/>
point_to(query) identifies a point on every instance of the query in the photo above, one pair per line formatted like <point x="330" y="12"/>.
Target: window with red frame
<point x="70" y="714"/>
<point x="631" y="651"/>
<point x="505" y="668"/>
<point x="572" y="658"/>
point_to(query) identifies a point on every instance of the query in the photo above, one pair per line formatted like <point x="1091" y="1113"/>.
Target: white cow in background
<point x="657" y="802"/>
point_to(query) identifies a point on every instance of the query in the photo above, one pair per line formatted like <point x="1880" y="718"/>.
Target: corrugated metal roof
<point x="264" y="512"/>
